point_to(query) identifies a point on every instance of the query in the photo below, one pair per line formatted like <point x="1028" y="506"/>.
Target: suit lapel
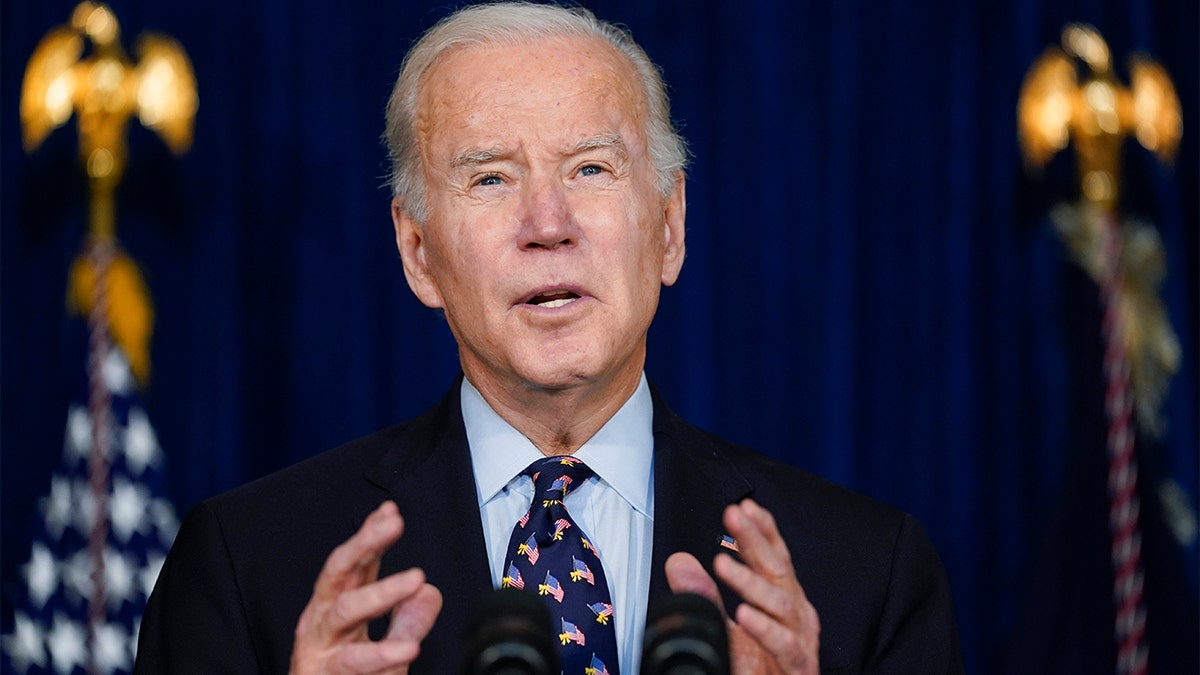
<point x="431" y="480"/>
<point x="694" y="480"/>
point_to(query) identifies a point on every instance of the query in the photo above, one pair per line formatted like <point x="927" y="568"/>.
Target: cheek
<point x="448" y="267"/>
<point x="647" y="246"/>
<point x="467" y="265"/>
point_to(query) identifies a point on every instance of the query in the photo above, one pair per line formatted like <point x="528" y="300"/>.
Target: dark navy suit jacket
<point x="244" y="563"/>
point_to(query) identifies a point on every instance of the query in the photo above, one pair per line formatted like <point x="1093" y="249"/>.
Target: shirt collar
<point x="621" y="452"/>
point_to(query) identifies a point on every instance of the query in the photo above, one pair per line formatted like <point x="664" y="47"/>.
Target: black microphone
<point x="510" y="633"/>
<point x="685" y="635"/>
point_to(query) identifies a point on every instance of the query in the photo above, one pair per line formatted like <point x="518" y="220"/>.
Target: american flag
<point x="571" y="634"/>
<point x="597" y="667"/>
<point x="560" y="526"/>
<point x="54" y="627"/>
<point x="524" y="519"/>
<point x="551" y="587"/>
<point x="590" y="546"/>
<point x="530" y="549"/>
<point x="561" y="483"/>
<point x="581" y="571"/>
<point x="602" y="610"/>
<point x="729" y="543"/>
<point x="513" y="578"/>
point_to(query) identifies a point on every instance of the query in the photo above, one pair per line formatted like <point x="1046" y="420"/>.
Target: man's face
<point x="548" y="238"/>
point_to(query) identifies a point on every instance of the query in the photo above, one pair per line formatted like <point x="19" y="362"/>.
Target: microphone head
<point x="685" y="635"/>
<point x="510" y="633"/>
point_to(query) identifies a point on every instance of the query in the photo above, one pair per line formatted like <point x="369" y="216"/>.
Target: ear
<point x="675" y="215"/>
<point x="410" y="240"/>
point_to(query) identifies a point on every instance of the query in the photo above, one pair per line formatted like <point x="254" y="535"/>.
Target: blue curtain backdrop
<point x="872" y="292"/>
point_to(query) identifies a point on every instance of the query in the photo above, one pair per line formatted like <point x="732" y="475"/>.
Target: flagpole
<point x="105" y="90"/>
<point x="1096" y="113"/>
<point x="99" y="254"/>
<point x="1124" y="505"/>
<point x="104" y="171"/>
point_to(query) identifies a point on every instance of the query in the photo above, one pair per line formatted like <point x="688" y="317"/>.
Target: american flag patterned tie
<point x="549" y="553"/>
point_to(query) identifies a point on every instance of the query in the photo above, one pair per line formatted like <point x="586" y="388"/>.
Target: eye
<point x="591" y="170"/>
<point x="490" y="179"/>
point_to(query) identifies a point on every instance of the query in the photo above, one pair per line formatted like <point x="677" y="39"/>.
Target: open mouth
<point x="553" y="299"/>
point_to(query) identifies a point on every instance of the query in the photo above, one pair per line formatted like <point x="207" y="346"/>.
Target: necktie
<point x="549" y="553"/>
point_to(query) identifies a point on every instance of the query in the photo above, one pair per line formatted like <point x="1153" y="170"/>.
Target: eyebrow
<point x="474" y="156"/>
<point x="600" y="141"/>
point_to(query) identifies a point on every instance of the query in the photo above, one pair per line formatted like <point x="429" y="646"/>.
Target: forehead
<point x="559" y="88"/>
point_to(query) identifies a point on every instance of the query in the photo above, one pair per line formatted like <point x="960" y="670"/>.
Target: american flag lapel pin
<point x="728" y="542"/>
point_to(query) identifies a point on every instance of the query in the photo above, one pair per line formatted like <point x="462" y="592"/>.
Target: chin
<point x="556" y="379"/>
<point x="573" y="373"/>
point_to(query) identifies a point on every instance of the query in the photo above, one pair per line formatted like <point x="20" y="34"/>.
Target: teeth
<point x="553" y="304"/>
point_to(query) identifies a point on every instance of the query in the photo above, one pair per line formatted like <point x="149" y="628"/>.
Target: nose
<point x="547" y="219"/>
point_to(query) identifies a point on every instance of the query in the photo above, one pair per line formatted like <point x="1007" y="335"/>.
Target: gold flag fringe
<point x="130" y="314"/>
<point x="1150" y="342"/>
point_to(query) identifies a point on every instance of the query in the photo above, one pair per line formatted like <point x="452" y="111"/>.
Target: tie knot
<point x="555" y="477"/>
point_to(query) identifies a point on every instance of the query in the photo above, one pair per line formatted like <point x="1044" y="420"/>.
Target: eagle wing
<point x="1045" y="106"/>
<point x="1157" y="120"/>
<point x="165" y="88"/>
<point x="48" y="91"/>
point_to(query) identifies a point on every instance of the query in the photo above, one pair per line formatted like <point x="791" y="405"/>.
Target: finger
<point x="793" y="650"/>
<point x="685" y="574"/>
<point x="768" y="579"/>
<point x="356" y="561"/>
<point x="413" y="618"/>
<point x="759" y="542"/>
<point x="358" y="606"/>
<point x="786" y="602"/>
<point x="370" y="657"/>
<point x="758" y="536"/>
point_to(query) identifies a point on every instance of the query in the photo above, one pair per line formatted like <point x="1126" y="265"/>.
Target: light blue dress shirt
<point x="615" y="507"/>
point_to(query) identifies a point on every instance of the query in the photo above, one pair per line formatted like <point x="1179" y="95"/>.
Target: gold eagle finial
<point x="1062" y="101"/>
<point x="1072" y="94"/>
<point x="104" y="90"/>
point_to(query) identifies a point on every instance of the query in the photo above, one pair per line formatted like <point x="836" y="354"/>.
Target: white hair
<point x="513" y="23"/>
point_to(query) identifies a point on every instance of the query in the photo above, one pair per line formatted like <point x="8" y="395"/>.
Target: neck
<point x="558" y="421"/>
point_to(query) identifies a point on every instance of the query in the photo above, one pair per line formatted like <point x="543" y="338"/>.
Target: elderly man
<point x="539" y="202"/>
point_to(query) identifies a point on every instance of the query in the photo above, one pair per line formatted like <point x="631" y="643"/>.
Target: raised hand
<point x="331" y="636"/>
<point x="775" y="629"/>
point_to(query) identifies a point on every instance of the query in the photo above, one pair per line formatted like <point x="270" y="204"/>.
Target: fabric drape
<point x="873" y="290"/>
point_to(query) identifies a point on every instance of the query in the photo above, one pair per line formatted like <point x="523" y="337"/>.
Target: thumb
<point x="685" y="574"/>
